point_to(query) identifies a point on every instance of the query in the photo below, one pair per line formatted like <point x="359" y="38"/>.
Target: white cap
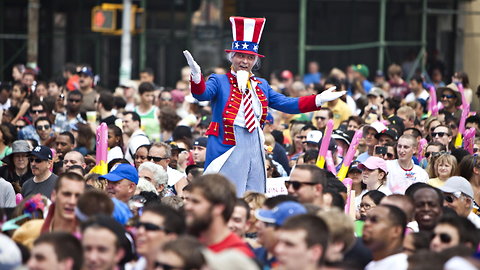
<point x="378" y="126"/>
<point x="314" y="136"/>
<point x="457" y="183"/>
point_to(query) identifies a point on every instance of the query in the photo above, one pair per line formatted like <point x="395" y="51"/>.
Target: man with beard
<point x="209" y="205"/>
<point x="428" y="202"/>
<point x="383" y="235"/>
<point x="61" y="215"/>
<point x="157" y="225"/>
<point x="43" y="181"/>
<point x="86" y="88"/>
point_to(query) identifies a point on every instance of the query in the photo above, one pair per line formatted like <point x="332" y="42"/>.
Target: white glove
<point x="328" y="95"/>
<point x="194" y="67"/>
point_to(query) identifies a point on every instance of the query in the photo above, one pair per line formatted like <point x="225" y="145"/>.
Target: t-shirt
<point x="398" y="179"/>
<point x="341" y="112"/>
<point x="424" y="95"/>
<point x="232" y="241"/>
<point x="88" y="103"/>
<point x="396" y="261"/>
<point x="45" y="188"/>
<point x="436" y="182"/>
<point x="398" y="89"/>
<point x="7" y="194"/>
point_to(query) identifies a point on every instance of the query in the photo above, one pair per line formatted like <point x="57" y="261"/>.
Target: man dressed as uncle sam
<point x="239" y="103"/>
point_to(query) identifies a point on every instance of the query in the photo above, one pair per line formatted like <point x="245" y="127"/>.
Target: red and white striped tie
<point x="249" y="115"/>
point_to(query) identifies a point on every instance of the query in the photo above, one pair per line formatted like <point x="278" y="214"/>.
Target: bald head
<point x="73" y="158"/>
<point x="403" y="202"/>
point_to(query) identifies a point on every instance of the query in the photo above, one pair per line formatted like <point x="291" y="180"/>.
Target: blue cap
<point x="269" y="119"/>
<point x="280" y="213"/>
<point x="87" y="71"/>
<point x="42" y="152"/>
<point x="122" y="171"/>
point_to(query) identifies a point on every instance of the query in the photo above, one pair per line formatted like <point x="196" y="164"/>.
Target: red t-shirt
<point x="232" y="241"/>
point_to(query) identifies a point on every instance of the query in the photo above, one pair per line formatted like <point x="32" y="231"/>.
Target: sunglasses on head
<point x="439" y="134"/>
<point x="444" y="238"/>
<point x="43" y="127"/>
<point x="150" y="226"/>
<point x="448" y="96"/>
<point x="36" y="160"/>
<point x="296" y="185"/>
<point x="155" y="159"/>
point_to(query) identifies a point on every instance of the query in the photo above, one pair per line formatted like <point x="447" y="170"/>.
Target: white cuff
<point x="196" y="78"/>
<point x="318" y="101"/>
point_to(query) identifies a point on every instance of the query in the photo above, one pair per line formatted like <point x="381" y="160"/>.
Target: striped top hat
<point x="246" y="34"/>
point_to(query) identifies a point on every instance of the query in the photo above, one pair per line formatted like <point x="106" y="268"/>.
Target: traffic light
<point x="107" y="19"/>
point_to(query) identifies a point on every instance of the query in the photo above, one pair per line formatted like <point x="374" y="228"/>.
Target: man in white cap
<point x="458" y="194"/>
<point x="369" y="133"/>
<point x="239" y="108"/>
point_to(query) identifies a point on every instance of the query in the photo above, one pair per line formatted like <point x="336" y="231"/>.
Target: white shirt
<point x="256" y="106"/>
<point x="474" y="219"/>
<point x="411" y="97"/>
<point x="398" y="179"/>
<point x="392" y="262"/>
<point x="137" y="139"/>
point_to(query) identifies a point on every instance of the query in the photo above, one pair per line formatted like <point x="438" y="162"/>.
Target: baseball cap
<point x="87" y="71"/>
<point x="343" y="136"/>
<point x="205" y="121"/>
<point x="42" y="152"/>
<point x="362" y="69"/>
<point x="377" y="126"/>
<point x="314" y="136"/>
<point x="389" y="132"/>
<point x="354" y="167"/>
<point x="375" y="91"/>
<point x="286" y="74"/>
<point x="121" y="171"/>
<point x="269" y="119"/>
<point x="201" y="141"/>
<point x="373" y="163"/>
<point x="457" y="183"/>
<point x="332" y="146"/>
<point x="280" y="213"/>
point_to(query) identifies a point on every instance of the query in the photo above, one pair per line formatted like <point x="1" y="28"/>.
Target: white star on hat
<point x="245" y="46"/>
<point x="255" y="47"/>
<point x="236" y="45"/>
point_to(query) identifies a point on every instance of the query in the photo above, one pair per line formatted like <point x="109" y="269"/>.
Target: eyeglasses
<point x="448" y="96"/>
<point x="149" y="226"/>
<point x="156" y="159"/>
<point x="44" y="127"/>
<point x="296" y="185"/>
<point x="71" y="100"/>
<point x="36" y="111"/>
<point x="366" y="206"/>
<point x="439" y="134"/>
<point x="164" y="266"/>
<point x="320" y="117"/>
<point x="451" y="197"/>
<point x="444" y="238"/>
<point x="36" y="160"/>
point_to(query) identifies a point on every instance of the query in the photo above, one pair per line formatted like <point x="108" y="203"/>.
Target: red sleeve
<point x="307" y="103"/>
<point x="197" y="88"/>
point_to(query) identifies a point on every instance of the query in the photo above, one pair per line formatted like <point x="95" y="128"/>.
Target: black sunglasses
<point x="297" y="185"/>
<point x="444" y="238"/>
<point x="428" y="154"/>
<point x="74" y="100"/>
<point x="36" y="111"/>
<point x="166" y="266"/>
<point x="320" y="117"/>
<point x="448" y="96"/>
<point x="155" y="159"/>
<point x="43" y="127"/>
<point x="36" y="160"/>
<point x="440" y="134"/>
<point x="390" y="155"/>
<point x="150" y="226"/>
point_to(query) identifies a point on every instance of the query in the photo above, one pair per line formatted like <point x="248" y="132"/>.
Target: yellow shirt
<point x="435" y="182"/>
<point x="341" y="112"/>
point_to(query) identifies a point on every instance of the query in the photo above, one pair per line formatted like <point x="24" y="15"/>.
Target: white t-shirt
<point x="474" y="219"/>
<point x="411" y="97"/>
<point x="174" y="176"/>
<point x="396" y="261"/>
<point x="398" y="179"/>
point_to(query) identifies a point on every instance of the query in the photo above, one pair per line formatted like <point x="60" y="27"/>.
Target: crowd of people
<point x="414" y="204"/>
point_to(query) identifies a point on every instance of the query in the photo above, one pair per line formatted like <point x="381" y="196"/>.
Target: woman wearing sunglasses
<point x="444" y="166"/>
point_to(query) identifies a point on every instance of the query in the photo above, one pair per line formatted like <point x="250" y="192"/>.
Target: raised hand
<point x="328" y="95"/>
<point x="195" y="68"/>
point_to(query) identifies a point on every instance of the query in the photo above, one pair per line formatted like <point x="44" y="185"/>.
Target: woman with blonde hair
<point x="444" y="167"/>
